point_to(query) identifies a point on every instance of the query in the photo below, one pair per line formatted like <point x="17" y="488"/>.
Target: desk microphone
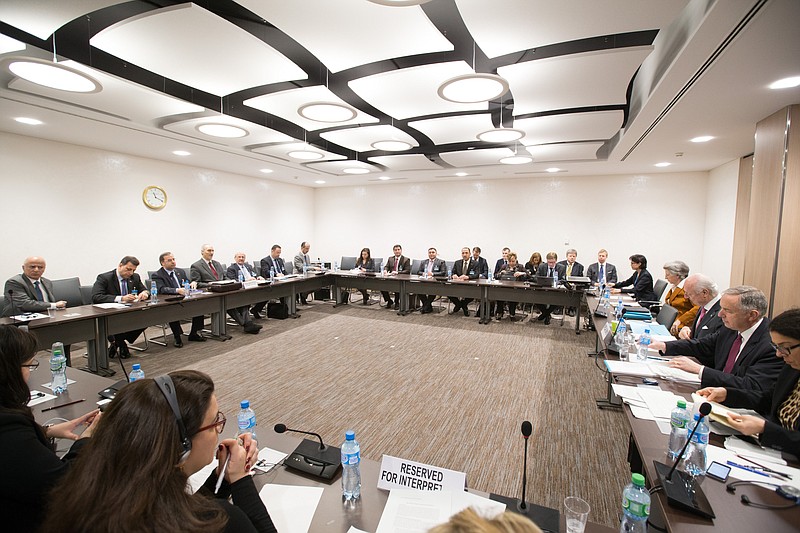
<point x="527" y="429"/>
<point x="281" y="428"/>
<point x="317" y="460"/>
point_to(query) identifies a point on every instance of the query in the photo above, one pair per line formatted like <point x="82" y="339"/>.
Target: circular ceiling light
<point x="29" y="121"/>
<point x="222" y="130"/>
<point x="662" y="165"/>
<point x="785" y="83"/>
<point x="355" y="170"/>
<point x="329" y="112"/>
<point x="305" y="155"/>
<point x="391" y="146"/>
<point x="702" y="139"/>
<point x="516" y="160"/>
<point x="55" y="76"/>
<point x="553" y="169"/>
<point x="501" y="135"/>
<point x="182" y="153"/>
<point x="473" y="88"/>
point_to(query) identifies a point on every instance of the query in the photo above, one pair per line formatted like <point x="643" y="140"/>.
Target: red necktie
<point x="702" y="314"/>
<point x="737" y="344"/>
<point x="214" y="270"/>
<point x="396" y="265"/>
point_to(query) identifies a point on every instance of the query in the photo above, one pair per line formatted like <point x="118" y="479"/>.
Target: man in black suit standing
<point x="121" y="285"/>
<point x="739" y="355"/>
<point x="397" y="264"/>
<point x="169" y="281"/>
<point x="431" y="268"/>
<point x="463" y="270"/>
<point x="602" y="273"/>
<point x="550" y="268"/>
<point x="702" y="292"/>
<point x="241" y="266"/>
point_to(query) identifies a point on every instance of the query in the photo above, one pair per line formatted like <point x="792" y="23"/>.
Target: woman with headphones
<point x="154" y="435"/>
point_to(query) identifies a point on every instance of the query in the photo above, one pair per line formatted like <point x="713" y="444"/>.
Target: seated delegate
<point x="364" y="263"/>
<point x="676" y="273"/>
<point x="28" y="462"/>
<point x="641" y="282"/>
<point x="136" y="465"/>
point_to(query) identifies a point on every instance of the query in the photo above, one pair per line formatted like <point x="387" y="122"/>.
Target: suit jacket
<point x="676" y="297"/>
<point x="369" y="266"/>
<point x="507" y="273"/>
<point x="298" y="263"/>
<point x="439" y="268"/>
<point x="164" y="281"/>
<point x="577" y="268"/>
<point x="642" y="286"/>
<point x="593" y="272"/>
<point x="472" y="269"/>
<point x="404" y="268"/>
<point x="560" y="269"/>
<point x="267" y="263"/>
<point x="756" y="368"/>
<point x="482" y="268"/>
<point x="498" y="266"/>
<point x="711" y="322"/>
<point x="106" y="287"/>
<point x="24" y="295"/>
<point x="768" y="402"/>
<point x="202" y="274"/>
<point x="233" y="271"/>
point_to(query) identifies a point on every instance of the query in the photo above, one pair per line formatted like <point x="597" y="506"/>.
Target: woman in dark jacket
<point x="365" y="263"/>
<point x="641" y="282"/>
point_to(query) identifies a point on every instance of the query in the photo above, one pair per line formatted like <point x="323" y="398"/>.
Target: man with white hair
<point x="704" y="293"/>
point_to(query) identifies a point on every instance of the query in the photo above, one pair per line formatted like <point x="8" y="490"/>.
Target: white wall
<point x="720" y="210"/>
<point x="624" y="214"/>
<point x="82" y="210"/>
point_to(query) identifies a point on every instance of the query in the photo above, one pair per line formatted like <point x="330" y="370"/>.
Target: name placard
<point x="403" y="474"/>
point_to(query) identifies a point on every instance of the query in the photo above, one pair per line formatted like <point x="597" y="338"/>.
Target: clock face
<point x="154" y="197"/>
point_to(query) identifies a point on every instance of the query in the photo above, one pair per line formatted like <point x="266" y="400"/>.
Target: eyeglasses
<point x="34" y="365"/>
<point x="218" y="425"/>
<point x="784" y="350"/>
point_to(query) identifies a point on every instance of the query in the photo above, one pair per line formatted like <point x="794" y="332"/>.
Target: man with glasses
<point x="702" y="292"/>
<point x="741" y="354"/>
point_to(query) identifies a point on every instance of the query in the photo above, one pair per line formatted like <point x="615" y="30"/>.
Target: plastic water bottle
<point x="644" y="345"/>
<point x="153" y="292"/>
<point x="351" y="467"/>
<point x="695" y="462"/>
<point x="555" y="278"/>
<point x="246" y="419"/>
<point x="635" y="506"/>
<point x="305" y="270"/>
<point x="618" y="310"/>
<point x="136" y="373"/>
<point x="135" y="292"/>
<point x="241" y="277"/>
<point x="58" y="369"/>
<point x="490" y="276"/>
<point x="619" y="336"/>
<point x="272" y="274"/>
<point x="449" y="272"/>
<point x="679" y="421"/>
<point x="187" y="288"/>
<point x="606" y="299"/>
<point x="336" y="266"/>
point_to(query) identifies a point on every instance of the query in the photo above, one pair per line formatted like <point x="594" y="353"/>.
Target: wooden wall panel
<point x="787" y="288"/>
<point x="741" y="222"/>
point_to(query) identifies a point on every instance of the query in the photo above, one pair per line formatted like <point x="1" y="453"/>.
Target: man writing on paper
<point x="740" y="355"/>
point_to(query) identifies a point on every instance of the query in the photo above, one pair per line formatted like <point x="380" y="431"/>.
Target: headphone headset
<point x="787" y="491"/>
<point x="166" y="386"/>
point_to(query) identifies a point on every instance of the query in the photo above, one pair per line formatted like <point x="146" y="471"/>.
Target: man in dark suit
<point x="397" y="264"/>
<point x="481" y="266"/>
<point x="431" y="268"/>
<point x="274" y="261"/>
<point x="602" y="272"/>
<point x="463" y="270"/>
<point x="741" y="354"/>
<point x="501" y="263"/>
<point x="121" y="285"/>
<point x="702" y="292"/>
<point x="206" y="271"/>
<point x="169" y="281"/>
<point x="551" y="269"/>
<point x="572" y="268"/>
<point x="241" y="266"/>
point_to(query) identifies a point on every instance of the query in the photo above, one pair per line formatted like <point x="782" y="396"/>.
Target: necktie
<point x="602" y="275"/>
<point x="396" y="265"/>
<point x="737" y="345"/>
<point x="123" y="285"/>
<point x="430" y="267"/>
<point x="305" y="259"/>
<point x="213" y="270"/>
<point x="466" y="266"/>
<point x="569" y="269"/>
<point x="549" y="272"/>
<point x="175" y="284"/>
<point x="39" y="295"/>
<point x="702" y="314"/>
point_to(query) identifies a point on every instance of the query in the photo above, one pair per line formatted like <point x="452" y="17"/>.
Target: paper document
<point x="676" y="374"/>
<point x="759" y="453"/>
<point x="659" y="402"/>
<point x="112" y="305"/>
<point x="723" y="456"/>
<point x="291" y="507"/>
<point x="629" y="368"/>
<point x="655" y="329"/>
<point x="38" y="397"/>
<point x="413" y="511"/>
<point x="197" y="479"/>
<point x="49" y="384"/>
<point x="268" y="459"/>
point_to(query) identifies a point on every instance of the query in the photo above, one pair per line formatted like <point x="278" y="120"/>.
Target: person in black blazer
<point x="780" y="404"/>
<point x="431" y="268"/>
<point x="550" y="269"/>
<point x="571" y="268"/>
<point x="119" y="286"/>
<point x="397" y="264"/>
<point x="364" y="263"/>
<point x="641" y="282"/>
<point x="481" y="266"/>
<point x="274" y="261"/>
<point x="753" y="366"/>
<point x="511" y="272"/>
<point x="501" y="263"/>
<point x="169" y="281"/>
<point x="702" y="292"/>
<point x="28" y="461"/>
<point x="240" y="265"/>
<point x="609" y="271"/>
<point x="463" y="270"/>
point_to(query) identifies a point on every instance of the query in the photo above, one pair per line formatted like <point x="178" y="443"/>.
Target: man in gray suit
<point x="431" y="268"/>
<point x="302" y="260"/>
<point x="30" y="292"/>
<point x="241" y="266"/>
<point x="205" y="271"/>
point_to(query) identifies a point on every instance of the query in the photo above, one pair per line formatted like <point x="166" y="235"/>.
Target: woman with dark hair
<point x="533" y="263"/>
<point x="641" y="282"/>
<point x="365" y="263"/>
<point x="28" y="461"/>
<point x="780" y="404"/>
<point x="136" y="467"/>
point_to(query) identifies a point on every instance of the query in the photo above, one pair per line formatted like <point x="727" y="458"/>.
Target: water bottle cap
<point x="697" y="416"/>
<point x="136" y="366"/>
<point x="349" y="435"/>
<point x="245" y="404"/>
<point x="682" y="404"/>
<point x="638" y="480"/>
<point x="647" y="330"/>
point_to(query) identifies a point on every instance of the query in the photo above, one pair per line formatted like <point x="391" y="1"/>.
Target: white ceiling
<point x="597" y="87"/>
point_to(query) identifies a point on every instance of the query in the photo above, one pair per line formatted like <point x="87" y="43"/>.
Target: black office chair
<point x="86" y="294"/>
<point x="257" y="267"/>
<point x="666" y="317"/>
<point x="659" y="287"/>
<point x="347" y="263"/>
<point x="69" y="290"/>
<point x="655" y="305"/>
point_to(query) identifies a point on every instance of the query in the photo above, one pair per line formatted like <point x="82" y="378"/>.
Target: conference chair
<point x="2" y="303"/>
<point x="347" y="263"/>
<point x="655" y="306"/>
<point x="659" y="287"/>
<point x="163" y="337"/>
<point x="69" y="290"/>
<point x="257" y="267"/>
<point x="86" y="294"/>
<point x="666" y="316"/>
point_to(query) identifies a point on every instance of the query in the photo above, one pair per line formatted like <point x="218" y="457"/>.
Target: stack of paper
<point x="412" y="511"/>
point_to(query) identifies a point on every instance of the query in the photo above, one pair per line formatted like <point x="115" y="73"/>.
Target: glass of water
<point x="576" y="512"/>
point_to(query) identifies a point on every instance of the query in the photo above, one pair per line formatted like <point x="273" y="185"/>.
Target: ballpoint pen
<point x="222" y="473"/>
<point x="752" y="469"/>
<point x="63" y="405"/>
<point x="764" y="468"/>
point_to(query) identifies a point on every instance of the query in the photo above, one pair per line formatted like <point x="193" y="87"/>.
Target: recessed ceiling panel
<point x="405" y="162"/>
<point x="191" y="45"/>
<point x="282" y="151"/>
<point x="361" y="139"/>
<point x="285" y="104"/>
<point x="255" y="133"/>
<point x="474" y="158"/>
<point x="365" y="32"/>
<point x="541" y="22"/>
<point x="42" y="17"/>
<point x="565" y="152"/>
<point x="579" y="80"/>
<point x="570" y="127"/>
<point x="338" y="167"/>
<point x="446" y="130"/>
<point x="119" y="98"/>
<point x="411" y="92"/>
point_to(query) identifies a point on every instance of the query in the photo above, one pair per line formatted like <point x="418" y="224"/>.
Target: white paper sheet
<point x="38" y="397"/>
<point x="722" y="456"/>
<point x="111" y="305"/>
<point x="291" y="507"/>
<point x="197" y="479"/>
<point x="758" y="453"/>
<point x="659" y="402"/>
<point x="412" y="511"/>
<point x="268" y="459"/>
<point x="49" y="384"/>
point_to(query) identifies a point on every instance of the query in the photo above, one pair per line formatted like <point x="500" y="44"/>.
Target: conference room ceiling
<point x="594" y="87"/>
